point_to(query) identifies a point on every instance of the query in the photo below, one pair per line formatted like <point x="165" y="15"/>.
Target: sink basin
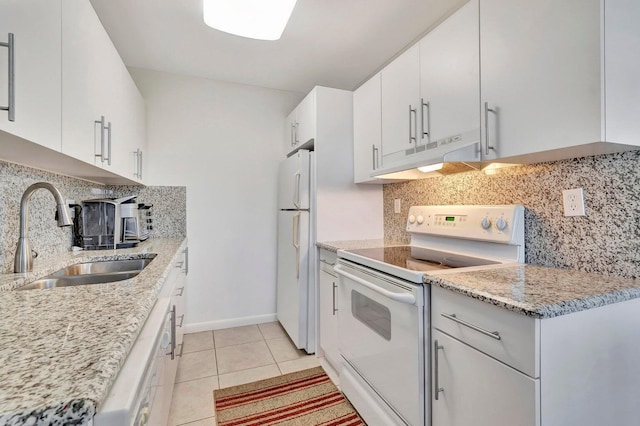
<point x="90" y="273"/>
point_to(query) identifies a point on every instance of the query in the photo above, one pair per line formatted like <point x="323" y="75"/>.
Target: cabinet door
<point x="306" y="119"/>
<point x="367" y="128"/>
<point x="129" y="132"/>
<point x="540" y="74"/>
<point x="400" y="106"/>
<point x="36" y="28"/>
<point x="478" y="390"/>
<point x="290" y="132"/>
<point x="450" y="77"/>
<point x="329" y="318"/>
<point x="91" y="84"/>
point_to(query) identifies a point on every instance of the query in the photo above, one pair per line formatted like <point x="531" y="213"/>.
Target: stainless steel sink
<point x="90" y="273"/>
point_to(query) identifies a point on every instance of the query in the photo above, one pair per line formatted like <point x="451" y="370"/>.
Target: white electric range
<point x="384" y="321"/>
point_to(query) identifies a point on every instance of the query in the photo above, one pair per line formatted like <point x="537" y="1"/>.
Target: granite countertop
<point x="538" y="291"/>
<point x="334" y="246"/>
<point x="62" y="348"/>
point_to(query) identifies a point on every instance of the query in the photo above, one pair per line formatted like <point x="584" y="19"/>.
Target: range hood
<point x="456" y="154"/>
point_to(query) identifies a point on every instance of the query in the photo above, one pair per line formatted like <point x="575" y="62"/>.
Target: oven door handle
<point x="407" y="298"/>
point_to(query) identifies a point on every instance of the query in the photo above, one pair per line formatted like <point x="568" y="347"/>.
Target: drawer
<point x="471" y="321"/>
<point x="328" y="261"/>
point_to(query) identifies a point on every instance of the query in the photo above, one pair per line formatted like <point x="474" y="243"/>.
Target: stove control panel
<point x="500" y="224"/>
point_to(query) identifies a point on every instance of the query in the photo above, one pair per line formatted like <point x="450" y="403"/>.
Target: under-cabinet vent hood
<point x="456" y="154"/>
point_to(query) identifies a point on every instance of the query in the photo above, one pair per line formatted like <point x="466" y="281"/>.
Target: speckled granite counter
<point x="538" y="291"/>
<point x="334" y="246"/>
<point x="62" y="348"/>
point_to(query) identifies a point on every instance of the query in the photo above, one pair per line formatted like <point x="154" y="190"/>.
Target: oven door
<point x="381" y="338"/>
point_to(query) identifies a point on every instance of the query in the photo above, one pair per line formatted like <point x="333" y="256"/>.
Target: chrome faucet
<point x="24" y="258"/>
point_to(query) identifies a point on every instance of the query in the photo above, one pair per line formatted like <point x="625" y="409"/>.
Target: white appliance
<point x="384" y="322"/>
<point x="137" y="397"/>
<point x="296" y="249"/>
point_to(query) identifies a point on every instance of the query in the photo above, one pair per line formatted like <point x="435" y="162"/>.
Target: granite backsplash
<point x="606" y="240"/>
<point x="169" y="209"/>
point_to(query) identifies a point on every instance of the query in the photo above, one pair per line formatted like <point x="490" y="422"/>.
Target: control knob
<point x="485" y="223"/>
<point x="412" y="219"/>
<point x="501" y="224"/>
<point x="420" y="220"/>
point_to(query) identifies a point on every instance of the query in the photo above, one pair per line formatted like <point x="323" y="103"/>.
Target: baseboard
<point x="228" y="323"/>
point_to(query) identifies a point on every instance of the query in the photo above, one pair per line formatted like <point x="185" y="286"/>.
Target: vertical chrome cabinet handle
<point x="335" y="308"/>
<point x="428" y="129"/>
<point x="413" y="112"/>
<point x="436" y="376"/>
<point x="296" y="192"/>
<point x="487" y="110"/>
<point x="11" y="105"/>
<point x="373" y="159"/>
<point x="295" y="134"/>
<point x="101" y="123"/>
<point x="140" y="169"/>
<point x="108" y="128"/>
<point x="292" y="134"/>
<point x="173" y="332"/>
<point x="186" y="261"/>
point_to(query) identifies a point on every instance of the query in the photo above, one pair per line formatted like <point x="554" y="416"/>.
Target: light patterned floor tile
<point x="198" y="342"/>
<point x="308" y="361"/>
<point x="237" y="336"/>
<point x="248" y="376"/>
<point x="272" y="330"/>
<point x="196" y="365"/>
<point x="243" y="357"/>
<point x="283" y="349"/>
<point x="193" y="400"/>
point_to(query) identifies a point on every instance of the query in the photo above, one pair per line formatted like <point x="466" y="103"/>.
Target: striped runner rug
<point x="303" y="398"/>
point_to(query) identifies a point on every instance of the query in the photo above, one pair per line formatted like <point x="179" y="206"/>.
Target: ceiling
<point x="335" y="43"/>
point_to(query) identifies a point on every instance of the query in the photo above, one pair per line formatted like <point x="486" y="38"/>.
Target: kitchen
<point x="221" y="197"/>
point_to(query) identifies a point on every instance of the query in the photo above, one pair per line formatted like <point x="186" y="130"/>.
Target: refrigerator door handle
<point x="296" y="241"/>
<point x="296" y="192"/>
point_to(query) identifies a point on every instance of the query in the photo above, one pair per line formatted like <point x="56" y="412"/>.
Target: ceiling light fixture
<point x="257" y="19"/>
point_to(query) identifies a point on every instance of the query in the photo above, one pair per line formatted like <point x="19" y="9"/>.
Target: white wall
<point x="223" y="142"/>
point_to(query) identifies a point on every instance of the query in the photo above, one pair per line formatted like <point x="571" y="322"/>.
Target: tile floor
<point x="223" y="358"/>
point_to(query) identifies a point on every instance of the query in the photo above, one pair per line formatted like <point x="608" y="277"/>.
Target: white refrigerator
<point x="296" y="249"/>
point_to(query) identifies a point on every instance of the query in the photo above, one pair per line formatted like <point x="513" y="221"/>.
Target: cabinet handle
<point x="373" y="159"/>
<point x="11" y="104"/>
<point x="487" y="110"/>
<point x="181" y="348"/>
<point x="292" y="136"/>
<point x="295" y="134"/>
<point x="186" y="261"/>
<point x="412" y="111"/>
<point x="436" y="376"/>
<point x="454" y="318"/>
<point x="101" y="123"/>
<point x="108" y="129"/>
<point x="173" y="332"/>
<point x="181" y="320"/>
<point x="335" y="309"/>
<point x="140" y="167"/>
<point x="426" y="104"/>
<point x="180" y="290"/>
<point x="179" y="264"/>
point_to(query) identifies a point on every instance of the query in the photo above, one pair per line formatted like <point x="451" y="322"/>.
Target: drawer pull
<point x="181" y="321"/>
<point x="453" y="317"/>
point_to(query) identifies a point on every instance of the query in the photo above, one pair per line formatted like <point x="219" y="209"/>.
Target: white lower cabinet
<point x="328" y="289"/>
<point x="474" y="389"/>
<point x="494" y="367"/>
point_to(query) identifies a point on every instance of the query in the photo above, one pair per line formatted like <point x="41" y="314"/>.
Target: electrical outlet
<point x="396" y="205"/>
<point x="573" y="200"/>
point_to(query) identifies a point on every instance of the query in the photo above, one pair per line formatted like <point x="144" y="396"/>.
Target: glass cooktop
<point x="419" y="258"/>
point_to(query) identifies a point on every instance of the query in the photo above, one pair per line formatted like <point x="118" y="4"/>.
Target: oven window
<point x="372" y="314"/>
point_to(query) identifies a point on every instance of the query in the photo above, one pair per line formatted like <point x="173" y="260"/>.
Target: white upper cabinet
<point x="35" y="25"/>
<point x="401" y="107"/>
<point x="97" y="85"/>
<point x="300" y="124"/>
<point x="450" y="81"/>
<point x="540" y="76"/>
<point x="367" y="128"/>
